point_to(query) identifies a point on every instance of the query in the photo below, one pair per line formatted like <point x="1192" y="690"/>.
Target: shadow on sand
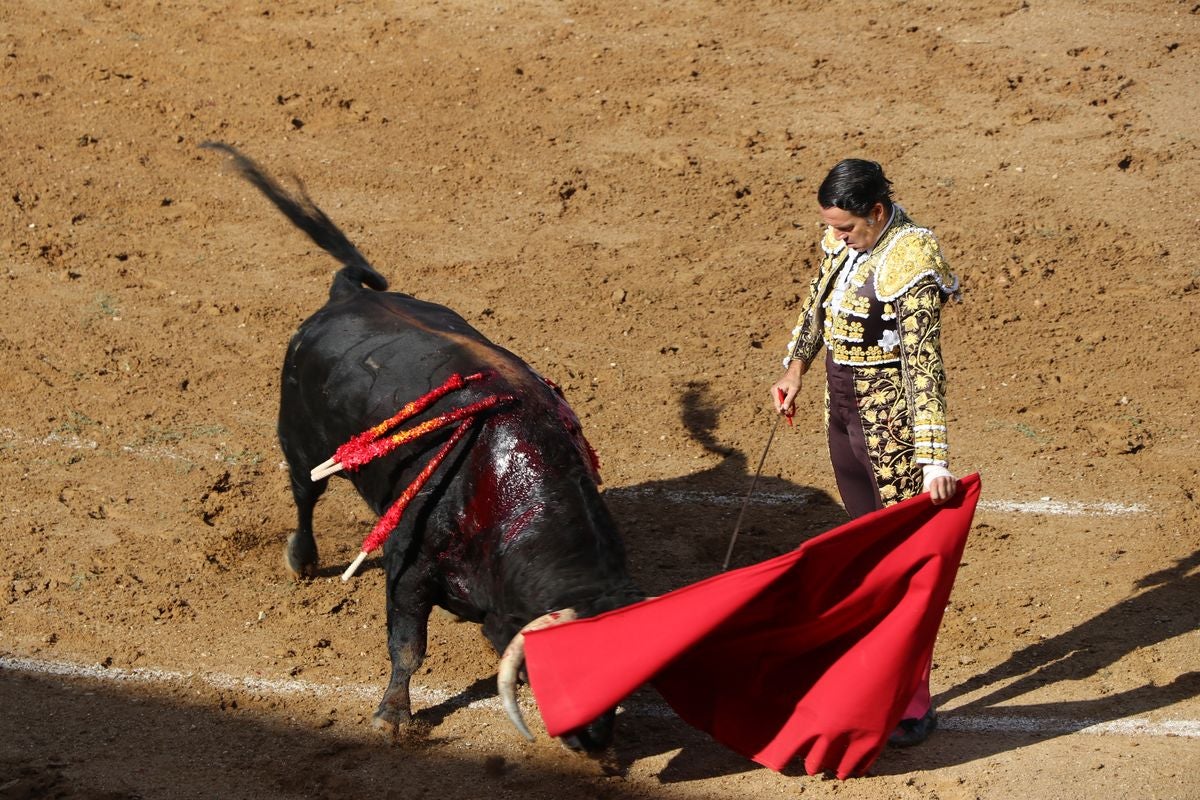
<point x="1164" y="606"/>
<point x="694" y="513"/>
<point x="677" y="532"/>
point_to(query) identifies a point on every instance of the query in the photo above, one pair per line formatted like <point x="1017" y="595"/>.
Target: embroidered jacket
<point x="881" y="316"/>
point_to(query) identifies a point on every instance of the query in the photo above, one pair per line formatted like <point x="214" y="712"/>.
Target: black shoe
<point x="913" y="731"/>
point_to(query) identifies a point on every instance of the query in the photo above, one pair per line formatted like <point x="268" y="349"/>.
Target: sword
<point x="738" y="525"/>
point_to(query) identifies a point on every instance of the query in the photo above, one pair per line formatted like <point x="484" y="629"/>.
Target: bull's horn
<point x="514" y="658"/>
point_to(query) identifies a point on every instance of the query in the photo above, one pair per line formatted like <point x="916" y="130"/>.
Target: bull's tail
<point x="356" y="271"/>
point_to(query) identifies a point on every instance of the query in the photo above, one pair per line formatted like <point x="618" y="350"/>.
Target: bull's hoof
<point x="385" y="726"/>
<point x="593" y="739"/>
<point x="390" y="721"/>
<point x="300" y="556"/>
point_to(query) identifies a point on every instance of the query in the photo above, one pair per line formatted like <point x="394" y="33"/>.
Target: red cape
<point x="814" y="653"/>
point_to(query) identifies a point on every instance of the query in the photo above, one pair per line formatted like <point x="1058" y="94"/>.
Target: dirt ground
<point x="624" y="195"/>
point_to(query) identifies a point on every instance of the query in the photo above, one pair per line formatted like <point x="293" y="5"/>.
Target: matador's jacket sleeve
<point x="918" y="312"/>
<point x="807" y="335"/>
<point x="915" y="277"/>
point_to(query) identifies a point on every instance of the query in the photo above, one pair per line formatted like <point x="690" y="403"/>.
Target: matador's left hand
<point x="942" y="488"/>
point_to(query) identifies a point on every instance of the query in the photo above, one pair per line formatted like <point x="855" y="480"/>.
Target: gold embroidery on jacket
<point x="856" y="305"/>
<point x="859" y="355"/>
<point x="844" y="329"/>
<point x="921" y="356"/>
<point x="909" y="255"/>
<point x="907" y="278"/>
<point x="883" y="409"/>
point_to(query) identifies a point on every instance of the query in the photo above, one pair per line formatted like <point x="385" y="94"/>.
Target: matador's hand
<point x="783" y="393"/>
<point x="942" y="488"/>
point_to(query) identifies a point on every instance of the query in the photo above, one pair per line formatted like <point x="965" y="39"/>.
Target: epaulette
<point x="830" y="243"/>
<point x="911" y="255"/>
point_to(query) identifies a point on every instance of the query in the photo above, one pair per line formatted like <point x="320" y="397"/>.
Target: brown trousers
<point x="847" y="444"/>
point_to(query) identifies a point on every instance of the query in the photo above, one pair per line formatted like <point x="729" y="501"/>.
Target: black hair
<point x="855" y="185"/>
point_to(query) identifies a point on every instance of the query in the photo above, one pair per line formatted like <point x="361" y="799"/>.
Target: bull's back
<point x="361" y="358"/>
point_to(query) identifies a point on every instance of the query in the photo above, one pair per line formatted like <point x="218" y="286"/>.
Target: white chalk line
<point x="1128" y="726"/>
<point x="61" y="440"/>
<point x="1045" y="505"/>
<point x="215" y="680"/>
<point x="424" y="696"/>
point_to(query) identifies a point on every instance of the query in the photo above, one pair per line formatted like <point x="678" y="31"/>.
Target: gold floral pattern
<point x="907" y="257"/>
<point x="894" y="350"/>
<point x="921" y="360"/>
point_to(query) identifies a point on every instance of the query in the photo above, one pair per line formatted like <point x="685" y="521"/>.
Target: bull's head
<point x="594" y="736"/>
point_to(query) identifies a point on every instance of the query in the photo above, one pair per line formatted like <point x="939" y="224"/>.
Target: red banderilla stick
<point x="349" y="455"/>
<point x="388" y="522"/>
<point x="355" y="458"/>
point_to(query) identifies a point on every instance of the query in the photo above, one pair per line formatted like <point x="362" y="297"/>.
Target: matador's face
<point x="860" y="233"/>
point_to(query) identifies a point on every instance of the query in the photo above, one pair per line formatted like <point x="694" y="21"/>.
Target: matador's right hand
<point x="783" y="393"/>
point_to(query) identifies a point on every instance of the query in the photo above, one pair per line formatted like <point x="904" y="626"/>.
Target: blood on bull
<point x="509" y="531"/>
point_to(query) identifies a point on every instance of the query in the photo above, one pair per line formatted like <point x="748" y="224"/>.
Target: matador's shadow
<point x="678" y="530"/>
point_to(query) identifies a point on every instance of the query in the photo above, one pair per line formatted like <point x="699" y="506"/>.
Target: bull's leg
<point x="301" y="551"/>
<point x="408" y="627"/>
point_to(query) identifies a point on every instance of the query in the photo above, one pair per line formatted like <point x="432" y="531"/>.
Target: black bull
<point x="511" y="526"/>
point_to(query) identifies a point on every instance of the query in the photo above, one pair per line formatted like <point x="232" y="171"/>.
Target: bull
<point x="511" y="532"/>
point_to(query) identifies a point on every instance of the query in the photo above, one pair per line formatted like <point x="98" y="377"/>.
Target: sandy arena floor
<point x="624" y="195"/>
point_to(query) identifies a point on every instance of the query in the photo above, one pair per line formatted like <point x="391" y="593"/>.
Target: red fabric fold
<point x="810" y="655"/>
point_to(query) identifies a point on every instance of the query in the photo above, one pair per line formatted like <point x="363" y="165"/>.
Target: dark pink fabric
<point x="811" y="655"/>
